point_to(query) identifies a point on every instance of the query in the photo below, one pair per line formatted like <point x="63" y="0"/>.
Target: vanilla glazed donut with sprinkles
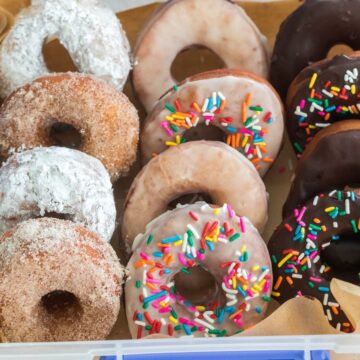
<point x="215" y="238"/>
<point x="319" y="241"/>
<point x="323" y="93"/>
<point x="233" y="106"/>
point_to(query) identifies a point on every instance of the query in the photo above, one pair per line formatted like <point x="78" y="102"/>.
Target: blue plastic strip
<point x="238" y="355"/>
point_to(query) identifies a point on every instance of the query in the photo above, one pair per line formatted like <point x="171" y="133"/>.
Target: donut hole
<point x="55" y="215"/>
<point x="343" y="257"/>
<point x="56" y="57"/>
<point x="193" y="60"/>
<point x="339" y="49"/>
<point x="61" y="305"/>
<point x="65" y="135"/>
<point x="204" y="132"/>
<point x="198" y="286"/>
<point x="191" y="198"/>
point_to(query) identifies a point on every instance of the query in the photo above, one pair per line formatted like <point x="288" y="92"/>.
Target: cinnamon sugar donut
<point x="225" y="245"/>
<point x="59" y="282"/>
<point x="219" y="25"/>
<point x="89" y="31"/>
<point x="245" y="108"/>
<point x="106" y="120"/>
<point x="57" y="180"/>
<point x="209" y="167"/>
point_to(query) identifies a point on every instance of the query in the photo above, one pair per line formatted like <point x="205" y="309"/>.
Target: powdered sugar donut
<point x="219" y="25"/>
<point x="59" y="282"/>
<point x="57" y="180"/>
<point x="241" y="108"/>
<point x="105" y="119"/>
<point x="227" y="246"/>
<point x="209" y="167"/>
<point x="89" y="31"/>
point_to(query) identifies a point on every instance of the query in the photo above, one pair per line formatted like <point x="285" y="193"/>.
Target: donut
<point x="57" y="180"/>
<point x="180" y="24"/>
<point x="104" y="117"/>
<point x="89" y="31"/>
<point x="209" y="167"/>
<point x="215" y="238"/>
<point x="308" y="34"/>
<point x="307" y="251"/>
<point x="320" y="95"/>
<point x="243" y="106"/>
<point x="59" y="282"/>
<point x="329" y="162"/>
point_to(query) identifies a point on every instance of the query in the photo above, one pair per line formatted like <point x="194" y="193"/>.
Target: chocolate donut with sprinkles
<point x="215" y="238"/>
<point x="320" y="95"/>
<point x="317" y="242"/>
<point x="308" y="34"/>
<point x="237" y="107"/>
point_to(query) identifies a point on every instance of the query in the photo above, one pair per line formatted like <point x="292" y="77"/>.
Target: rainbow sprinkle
<point x="324" y="103"/>
<point x="248" y="139"/>
<point x="301" y="265"/>
<point x="246" y="286"/>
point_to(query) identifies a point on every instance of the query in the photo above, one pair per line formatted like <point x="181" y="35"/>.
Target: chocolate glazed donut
<point x="314" y="244"/>
<point x="309" y="33"/>
<point x="320" y="95"/>
<point x="331" y="161"/>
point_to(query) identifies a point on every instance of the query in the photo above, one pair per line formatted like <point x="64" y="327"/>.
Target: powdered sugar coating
<point x="104" y="117"/>
<point x="87" y="29"/>
<point x="44" y="255"/>
<point x="58" y="180"/>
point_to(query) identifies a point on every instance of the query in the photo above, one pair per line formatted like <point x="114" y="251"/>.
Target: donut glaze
<point x="104" y="117"/>
<point x="300" y="251"/>
<point x="243" y="106"/>
<point x="309" y="33"/>
<point x="180" y="24"/>
<point x="320" y="95"/>
<point x="209" y="167"/>
<point x="90" y="32"/>
<point x="57" y="180"/>
<point x="43" y="256"/>
<point x="329" y="162"/>
<point x="228" y="247"/>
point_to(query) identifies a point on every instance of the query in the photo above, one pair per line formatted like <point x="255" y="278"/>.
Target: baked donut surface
<point x="329" y="162"/>
<point x="180" y="24"/>
<point x="244" y="107"/>
<point x="88" y="30"/>
<point x="104" y="117"/>
<point x="225" y="245"/>
<point x="57" y="180"/>
<point x="305" y="37"/>
<point x="318" y="241"/>
<point x="209" y="167"/>
<point x="59" y="282"/>
<point x="323" y="93"/>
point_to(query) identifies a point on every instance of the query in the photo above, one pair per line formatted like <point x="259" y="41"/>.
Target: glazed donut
<point x="305" y="251"/>
<point x="243" y="106"/>
<point x="90" y="32"/>
<point x="329" y="162"/>
<point x="57" y="180"/>
<point x="320" y="95"/>
<point x="104" y="117"/>
<point x="228" y="247"/>
<point x="209" y="167"/>
<point x="179" y="24"/>
<point x="305" y="37"/>
<point x="59" y="282"/>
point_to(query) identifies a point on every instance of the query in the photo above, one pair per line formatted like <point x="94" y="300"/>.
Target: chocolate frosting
<point x="333" y="162"/>
<point x="323" y="238"/>
<point x="309" y="33"/>
<point x="330" y="106"/>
